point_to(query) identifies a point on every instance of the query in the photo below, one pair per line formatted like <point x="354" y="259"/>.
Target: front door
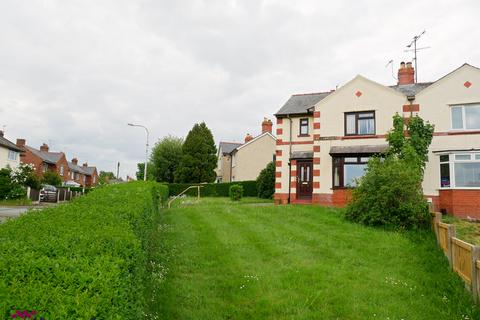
<point x="304" y="179"/>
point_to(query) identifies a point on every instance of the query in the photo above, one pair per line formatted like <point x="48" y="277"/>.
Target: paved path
<point x="13" y="212"/>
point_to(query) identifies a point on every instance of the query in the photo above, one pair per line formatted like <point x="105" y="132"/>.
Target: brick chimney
<point x="44" y="147"/>
<point x="20" y="143"/>
<point x="85" y="165"/>
<point x="406" y="74"/>
<point x="1" y="133"/>
<point x="75" y="161"/>
<point x="267" y="125"/>
<point x="248" y="137"/>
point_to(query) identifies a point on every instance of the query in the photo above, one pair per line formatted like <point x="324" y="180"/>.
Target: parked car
<point x="48" y="193"/>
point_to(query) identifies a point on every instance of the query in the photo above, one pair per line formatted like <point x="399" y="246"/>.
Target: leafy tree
<point x="266" y="181"/>
<point x="105" y="176"/>
<point x="9" y="189"/>
<point x="165" y="158"/>
<point x="52" y="178"/>
<point x="390" y="192"/>
<point x="24" y="175"/>
<point x="199" y="158"/>
<point x="141" y="171"/>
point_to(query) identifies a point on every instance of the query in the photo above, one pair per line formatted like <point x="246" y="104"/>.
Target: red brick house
<point x="44" y="160"/>
<point x="84" y="175"/>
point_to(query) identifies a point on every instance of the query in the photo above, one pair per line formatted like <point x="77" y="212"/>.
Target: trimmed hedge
<point x="81" y="260"/>
<point x="214" y="189"/>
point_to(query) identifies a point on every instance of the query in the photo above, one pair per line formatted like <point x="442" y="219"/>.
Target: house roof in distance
<point x="228" y="147"/>
<point x="46" y="156"/>
<point x="8" y="144"/>
<point x="300" y="103"/>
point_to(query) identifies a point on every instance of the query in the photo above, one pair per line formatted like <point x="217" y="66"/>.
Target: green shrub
<point x="213" y="189"/>
<point x="236" y="192"/>
<point x="266" y="182"/>
<point x="82" y="260"/>
<point x="52" y="178"/>
<point x="389" y="194"/>
<point x="9" y="188"/>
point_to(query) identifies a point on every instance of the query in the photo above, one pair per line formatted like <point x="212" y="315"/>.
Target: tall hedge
<point x="81" y="260"/>
<point x="214" y="189"/>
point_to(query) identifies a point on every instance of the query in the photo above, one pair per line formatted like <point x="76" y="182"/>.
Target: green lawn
<point x="222" y="260"/>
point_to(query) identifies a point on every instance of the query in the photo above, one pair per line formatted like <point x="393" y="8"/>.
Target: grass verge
<point x="223" y="260"/>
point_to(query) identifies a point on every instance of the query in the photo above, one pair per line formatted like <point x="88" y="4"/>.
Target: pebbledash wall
<point x="433" y="103"/>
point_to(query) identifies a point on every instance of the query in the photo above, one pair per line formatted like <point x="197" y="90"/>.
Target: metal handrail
<point x="181" y="193"/>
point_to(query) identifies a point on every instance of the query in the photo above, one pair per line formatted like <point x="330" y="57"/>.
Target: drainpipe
<point x="289" y="160"/>
<point x="231" y="160"/>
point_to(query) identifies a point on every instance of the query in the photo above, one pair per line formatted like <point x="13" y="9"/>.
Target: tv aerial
<point x="415" y="50"/>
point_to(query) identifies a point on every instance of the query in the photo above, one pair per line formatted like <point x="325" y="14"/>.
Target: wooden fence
<point x="462" y="256"/>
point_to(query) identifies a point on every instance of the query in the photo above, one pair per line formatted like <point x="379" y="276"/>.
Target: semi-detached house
<point x="324" y="140"/>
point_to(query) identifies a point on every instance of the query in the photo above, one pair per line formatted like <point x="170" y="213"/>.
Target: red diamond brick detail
<point x="467" y="84"/>
<point x="358" y="94"/>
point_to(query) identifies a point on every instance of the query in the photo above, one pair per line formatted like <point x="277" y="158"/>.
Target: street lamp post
<point x="146" y="148"/>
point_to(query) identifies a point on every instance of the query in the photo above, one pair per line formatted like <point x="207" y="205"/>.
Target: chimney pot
<point x="20" y="143"/>
<point x="75" y="161"/>
<point x="406" y="75"/>
<point x="85" y="165"/>
<point x="267" y="125"/>
<point x="44" y="147"/>
<point x="1" y="133"/>
<point x="248" y="137"/>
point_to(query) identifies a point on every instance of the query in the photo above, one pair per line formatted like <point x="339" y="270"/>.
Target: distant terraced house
<point x="324" y="140"/>
<point x="244" y="161"/>
<point x="45" y="160"/>
<point x="82" y="175"/>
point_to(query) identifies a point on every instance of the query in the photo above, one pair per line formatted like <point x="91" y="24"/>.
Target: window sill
<point x="463" y="131"/>
<point x="362" y="136"/>
<point x="459" y="188"/>
<point x="342" y="188"/>
<point x="303" y="135"/>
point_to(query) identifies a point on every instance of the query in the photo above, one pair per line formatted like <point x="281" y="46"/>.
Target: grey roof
<point x="9" y="145"/>
<point x="89" y="170"/>
<point x="48" y="157"/>
<point x="358" y="149"/>
<point x="411" y="89"/>
<point x="300" y="103"/>
<point x="81" y="169"/>
<point x="76" y="168"/>
<point x="302" y="155"/>
<point x="228" y="147"/>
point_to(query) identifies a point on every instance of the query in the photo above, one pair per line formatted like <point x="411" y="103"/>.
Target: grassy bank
<point x="224" y="260"/>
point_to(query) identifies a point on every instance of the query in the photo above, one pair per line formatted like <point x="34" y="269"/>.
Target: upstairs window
<point x="304" y="127"/>
<point x="359" y="123"/>
<point x="466" y="117"/>
<point x="61" y="170"/>
<point x="12" y="155"/>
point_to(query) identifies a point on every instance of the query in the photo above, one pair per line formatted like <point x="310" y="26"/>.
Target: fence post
<point x="475" y="256"/>
<point x="198" y="193"/>
<point x="450" y="234"/>
<point x="436" y="220"/>
<point x="28" y="192"/>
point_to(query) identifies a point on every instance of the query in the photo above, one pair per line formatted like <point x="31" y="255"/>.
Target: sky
<point x="73" y="73"/>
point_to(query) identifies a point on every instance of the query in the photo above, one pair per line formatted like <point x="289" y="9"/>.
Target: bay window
<point x="460" y="170"/>
<point x="347" y="169"/>
<point x="465" y="117"/>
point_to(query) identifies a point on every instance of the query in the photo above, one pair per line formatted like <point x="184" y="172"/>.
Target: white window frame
<point x="451" y="165"/>
<point x="62" y="171"/>
<point x="464" y="126"/>
<point x="12" y="155"/>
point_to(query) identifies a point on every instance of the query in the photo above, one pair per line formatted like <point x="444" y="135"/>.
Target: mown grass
<point x="223" y="260"/>
<point x="16" y="202"/>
